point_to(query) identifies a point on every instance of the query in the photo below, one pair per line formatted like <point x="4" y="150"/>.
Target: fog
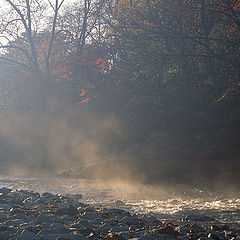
<point x="66" y="139"/>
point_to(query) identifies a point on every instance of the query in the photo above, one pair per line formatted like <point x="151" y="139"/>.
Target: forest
<point x="140" y="89"/>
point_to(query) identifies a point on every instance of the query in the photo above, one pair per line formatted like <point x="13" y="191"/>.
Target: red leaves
<point x="101" y="63"/>
<point x="83" y="92"/>
<point x="87" y="71"/>
<point x="235" y="6"/>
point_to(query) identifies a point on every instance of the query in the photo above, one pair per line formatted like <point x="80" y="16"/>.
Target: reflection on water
<point x="136" y="199"/>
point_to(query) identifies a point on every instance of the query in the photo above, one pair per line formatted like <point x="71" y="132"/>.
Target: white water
<point x="137" y="199"/>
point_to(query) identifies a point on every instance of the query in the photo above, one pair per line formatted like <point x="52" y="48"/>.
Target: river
<point x="140" y="199"/>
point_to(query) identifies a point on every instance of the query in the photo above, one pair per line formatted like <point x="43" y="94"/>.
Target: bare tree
<point x="22" y="22"/>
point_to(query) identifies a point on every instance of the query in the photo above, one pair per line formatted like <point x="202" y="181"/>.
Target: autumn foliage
<point x="87" y="71"/>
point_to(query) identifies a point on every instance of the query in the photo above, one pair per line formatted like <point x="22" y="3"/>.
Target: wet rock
<point x="129" y="220"/>
<point x="3" y="227"/>
<point x="33" y="228"/>
<point x="152" y="238"/>
<point x="56" y="228"/>
<point x="63" y="237"/>
<point x="77" y="225"/>
<point x="19" y="216"/>
<point x="181" y="230"/>
<point x="199" y="218"/>
<point x="49" y="216"/>
<point x="205" y="238"/>
<point x="119" y="203"/>
<point x="97" y="221"/>
<point x="103" y="228"/>
<point x="5" y="235"/>
<point x="151" y="220"/>
<point x="89" y="215"/>
<point x="5" y="190"/>
<point x="166" y="230"/>
<point x="132" y="228"/>
<point x="3" y="216"/>
<point x="110" y="222"/>
<point x="14" y="222"/>
<point x="196" y="229"/>
<point x="84" y="222"/>
<point x="26" y="235"/>
<point x="119" y="212"/>
<point x="217" y="235"/>
<point x="124" y="235"/>
<point x="70" y="210"/>
<point x="47" y="195"/>
<point x="45" y="219"/>
<point x="76" y="197"/>
<point x="119" y="228"/>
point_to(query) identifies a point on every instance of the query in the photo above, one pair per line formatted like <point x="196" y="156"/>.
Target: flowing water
<point x="166" y="204"/>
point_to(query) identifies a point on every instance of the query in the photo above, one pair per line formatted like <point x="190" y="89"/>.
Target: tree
<point x="19" y="30"/>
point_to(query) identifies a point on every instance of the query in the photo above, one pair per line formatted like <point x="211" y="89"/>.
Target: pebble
<point x="26" y="215"/>
<point x="199" y="218"/>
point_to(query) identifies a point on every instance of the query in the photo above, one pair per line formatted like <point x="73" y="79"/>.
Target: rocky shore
<point x="25" y="215"/>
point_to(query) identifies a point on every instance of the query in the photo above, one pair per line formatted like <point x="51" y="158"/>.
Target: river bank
<point x="26" y="215"/>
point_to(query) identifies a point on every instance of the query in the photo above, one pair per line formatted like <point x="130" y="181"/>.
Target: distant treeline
<point x="168" y="70"/>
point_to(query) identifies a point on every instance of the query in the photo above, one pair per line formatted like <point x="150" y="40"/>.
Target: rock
<point x="76" y="197"/>
<point x="103" y="228"/>
<point x="129" y="220"/>
<point x="124" y="235"/>
<point x="15" y="222"/>
<point x="38" y="216"/>
<point x="199" y="218"/>
<point x="110" y="222"/>
<point x="47" y="195"/>
<point x="5" y="235"/>
<point x="132" y="228"/>
<point x="63" y="236"/>
<point x="119" y="212"/>
<point x="5" y="190"/>
<point x="97" y="221"/>
<point x="151" y="220"/>
<point x="56" y="228"/>
<point x="70" y="210"/>
<point x="45" y="219"/>
<point x="3" y="216"/>
<point x="196" y="229"/>
<point x="180" y="230"/>
<point x="77" y="225"/>
<point x="217" y="235"/>
<point x="167" y="229"/>
<point x="89" y="216"/>
<point x="19" y="216"/>
<point x="205" y="238"/>
<point x="26" y="235"/>
<point x="119" y="203"/>
<point x="84" y="222"/>
<point x="119" y="228"/>
<point x="33" y="228"/>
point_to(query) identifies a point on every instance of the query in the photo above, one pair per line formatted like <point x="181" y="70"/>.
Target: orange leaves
<point x="83" y="92"/>
<point x="86" y="100"/>
<point x="85" y="65"/>
<point x="101" y="63"/>
<point x="235" y="6"/>
<point x="89" y="96"/>
<point x="87" y="71"/>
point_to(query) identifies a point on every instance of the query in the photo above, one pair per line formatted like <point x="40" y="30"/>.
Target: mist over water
<point x="70" y="140"/>
<point x="160" y="201"/>
<point x="47" y="134"/>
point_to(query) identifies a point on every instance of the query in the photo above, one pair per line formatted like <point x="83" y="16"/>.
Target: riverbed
<point x="164" y="203"/>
